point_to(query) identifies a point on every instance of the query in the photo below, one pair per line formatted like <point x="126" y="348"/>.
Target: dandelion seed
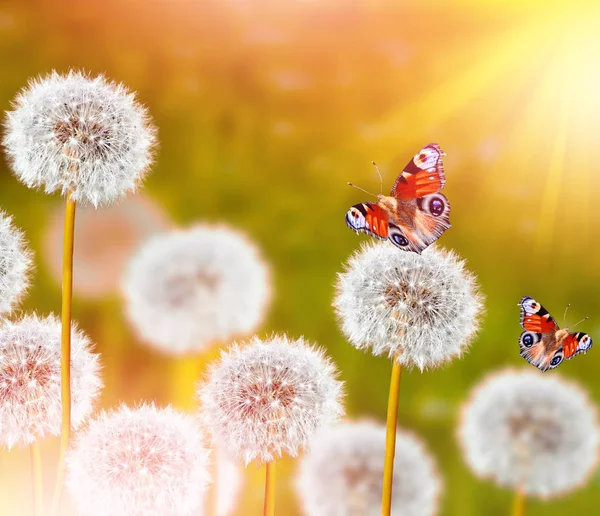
<point x="83" y="136"/>
<point x="30" y="397"/>
<point x="105" y="241"/>
<point x="421" y="310"/>
<point x="538" y="434"/>
<point x="238" y="406"/>
<point x="15" y="264"/>
<point x="343" y="473"/>
<point x="138" y="462"/>
<point x="185" y="290"/>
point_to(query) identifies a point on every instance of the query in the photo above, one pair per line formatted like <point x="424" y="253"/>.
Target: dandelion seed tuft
<point x="422" y="309"/>
<point x="30" y="397"/>
<point x="185" y="290"/>
<point x="15" y="264"/>
<point x="531" y="432"/>
<point x="264" y="399"/>
<point x="138" y="462"/>
<point x="79" y="135"/>
<point x="343" y="473"/>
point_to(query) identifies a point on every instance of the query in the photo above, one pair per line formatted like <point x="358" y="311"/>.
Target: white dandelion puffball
<point x="532" y="432"/>
<point x="229" y="481"/>
<point x="83" y="136"/>
<point x="30" y="383"/>
<point x="342" y="475"/>
<point x="185" y="290"/>
<point x="146" y="461"/>
<point x="15" y="263"/>
<point x="105" y="241"/>
<point x="268" y="398"/>
<point x="421" y="309"/>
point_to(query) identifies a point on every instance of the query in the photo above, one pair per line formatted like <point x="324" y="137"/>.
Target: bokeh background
<point x="266" y="109"/>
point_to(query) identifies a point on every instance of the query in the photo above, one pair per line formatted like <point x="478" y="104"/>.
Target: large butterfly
<point x="543" y="344"/>
<point x="415" y="214"/>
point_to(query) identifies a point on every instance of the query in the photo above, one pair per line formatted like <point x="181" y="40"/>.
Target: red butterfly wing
<point x="575" y="343"/>
<point x="423" y="175"/>
<point x="370" y="218"/>
<point x="535" y="318"/>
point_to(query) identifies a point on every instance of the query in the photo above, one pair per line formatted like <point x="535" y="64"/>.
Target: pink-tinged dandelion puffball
<point x="145" y="461"/>
<point x="531" y="432"/>
<point x="79" y="135"/>
<point x="185" y="290"/>
<point x="30" y="398"/>
<point x="342" y="475"/>
<point x="264" y="399"/>
<point x="420" y="309"/>
<point x="15" y="263"/>
<point x="105" y="241"/>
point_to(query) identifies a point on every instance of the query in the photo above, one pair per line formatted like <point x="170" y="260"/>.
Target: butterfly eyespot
<point x="400" y="240"/>
<point x="528" y="340"/>
<point x="436" y="206"/>
<point x="556" y="360"/>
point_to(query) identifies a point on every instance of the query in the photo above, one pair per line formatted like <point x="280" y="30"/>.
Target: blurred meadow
<point x="265" y="111"/>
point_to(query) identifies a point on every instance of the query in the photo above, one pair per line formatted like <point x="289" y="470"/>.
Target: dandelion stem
<point x="36" y="478"/>
<point x="65" y="359"/>
<point x="212" y="502"/>
<point x="269" y="508"/>
<point x="390" y="439"/>
<point x="519" y="503"/>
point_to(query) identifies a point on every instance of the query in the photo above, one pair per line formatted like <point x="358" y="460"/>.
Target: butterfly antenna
<point x="361" y="189"/>
<point x="584" y="319"/>
<point x="565" y="316"/>
<point x="380" y="176"/>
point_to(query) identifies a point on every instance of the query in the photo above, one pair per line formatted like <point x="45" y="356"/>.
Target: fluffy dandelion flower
<point x="30" y="401"/>
<point x="83" y="136"/>
<point x="538" y="434"/>
<point x="421" y="309"/>
<point x="268" y="398"/>
<point x="343" y="473"/>
<point x="15" y="263"/>
<point x="186" y="289"/>
<point x="105" y="241"/>
<point x="138" y="462"/>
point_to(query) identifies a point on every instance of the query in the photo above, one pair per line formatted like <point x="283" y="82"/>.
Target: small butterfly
<point x="415" y="214"/>
<point x="543" y="344"/>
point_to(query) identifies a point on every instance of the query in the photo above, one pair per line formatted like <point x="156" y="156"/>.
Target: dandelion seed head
<point x="105" y="241"/>
<point x="138" y="462"/>
<point x="15" y="264"/>
<point x="185" y="290"/>
<point x="30" y="397"/>
<point x="423" y="309"/>
<point x="343" y="473"/>
<point x="268" y="398"/>
<point x="528" y="431"/>
<point x="80" y="135"/>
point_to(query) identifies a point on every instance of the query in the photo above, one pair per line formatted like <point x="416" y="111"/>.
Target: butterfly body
<point x="543" y="344"/>
<point x="415" y="214"/>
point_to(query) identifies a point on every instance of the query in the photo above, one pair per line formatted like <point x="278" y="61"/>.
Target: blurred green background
<point x="266" y="109"/>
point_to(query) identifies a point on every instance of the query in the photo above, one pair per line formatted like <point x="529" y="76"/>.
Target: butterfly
<point x="415" y="214"/>
<point x="543" y="344"/>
